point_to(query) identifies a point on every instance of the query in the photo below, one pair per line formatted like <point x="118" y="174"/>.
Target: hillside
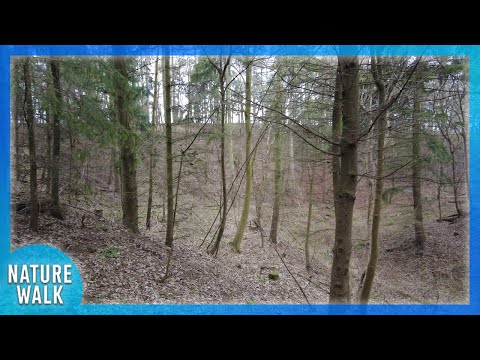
<point x="367" y="157"/>
<point x="120" y="267"/>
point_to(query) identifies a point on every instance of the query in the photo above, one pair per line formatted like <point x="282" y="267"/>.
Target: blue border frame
<point x="473" y="52"/>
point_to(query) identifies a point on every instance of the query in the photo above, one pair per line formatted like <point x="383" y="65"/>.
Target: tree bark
<point x="116" y="170"/>
<point x="47" y="170"/>
<point x="223" y="219"/>
<point x="347" y="182"/>
<point x="152" y="147"/>
<point x="309" y="217"/>
<point x="28" y="113"/>
<point x="259" y="186"/>
<point x="127" y="147"/>
<point x="229" y="127"/>
<point x="167" y="98"/>
<point x="278" y="162"/>
<point x="336" y="132"/>
<point x="291" y="174"/>
<point x="249" y="159"/>
<point x="55" y="210"/>
<point x="416" y="166"/>
<point x="377" y="207"/>
<point x="15" y="100"/>
<point x="460" y="212"/>
<point x="369" y="165"/>
<point x="439" y="192"/>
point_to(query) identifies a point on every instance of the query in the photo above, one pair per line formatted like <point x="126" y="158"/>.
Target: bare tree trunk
<point x="71" y="164"/>
<point x="460" y="212"/>
<point x="324" y="181"/>
<point x="249" y="159"/>
<point x="369" y="169"/>
<point x="190" y="110"/>
<point x="110" y="171"/>
<point x="347" y="182"/>
<point x="439" y="192"/>
<point x="336" y="133"/>
<point x="116" y="171"/>
<point x="223" y="219"/>
<point x="309" y="216"/>
<point x="278" y="162"/>
<point x="152" y="147"/>
<point x="47" y="170"/>
<point x="258" y="219"/>
<point x="416" y="168"/>
<point x="127" y="148"/>
<point x="28" y="113"/>
<point x="15" y="99"/>
<point x="229" y="138"/>
<point x="259" y="186"/>
<point x="377" y="209"/>
<point x="465" y="130"/>
<point x="277" y="186"/>
<point x="229" y="127"/>
<point x="167" y="97"/>
<point x="242" y="113"/>
<point x="291" y="174"/>
<point x="55" y="210"/>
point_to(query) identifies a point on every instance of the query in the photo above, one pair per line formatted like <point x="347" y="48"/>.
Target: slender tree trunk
<point x="48" y="156"/>
<point x="466" y="165"/>
<point x="370" y="170"/>
<point x="249" y="159"/>
<point x="416" y="168"/>
<point x="336" y="133"/>
<point x="324" y="181"/>
<point x="309" y="216"/>
<point x="71" y="164"/>
<point x="460" y="212"/>
<point x="439" y="192"/>
<point x="259" y="186"/>
<point x="167" y="97"/>
<point x="17" y="148"/>
<point x="347" y="183"/>
<point x="127" y="147"/>
<point x="190" y="110"/>
<point x="258" y="217"/>
<point x="277" y="185"/>
<point x="370" y="204"/>
<point x="291" y="177"/>
<point x="223" y="218"/>
<point x="28" y="113"/>
<point x="229" y="139"/>
<point x="242" y="113"/>
<point x="55" y="210"/>
<point x="15" y="100"/>
<point x="110" y="171"/>
<point x="278" y="162"/>
<point x="116" y="171"/>
<point x="164" y="194"/>
<point x="377" y="208"/>
<point x="152" y="147"/>
<point x="229" y="125"/>
<point x="173" y="92"/>
<point x="464" y="133"/>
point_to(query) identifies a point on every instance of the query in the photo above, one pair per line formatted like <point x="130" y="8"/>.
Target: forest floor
<point x="120" y="267"/>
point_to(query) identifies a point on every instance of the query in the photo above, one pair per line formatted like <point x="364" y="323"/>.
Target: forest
<point x="246" y="179"/>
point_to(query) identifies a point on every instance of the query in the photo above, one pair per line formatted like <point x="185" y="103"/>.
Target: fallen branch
<point x="315" y="284"/>
<point x="286" y="267"/>
<point x="450" y="219"/>
<point x="88" y="211"/>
